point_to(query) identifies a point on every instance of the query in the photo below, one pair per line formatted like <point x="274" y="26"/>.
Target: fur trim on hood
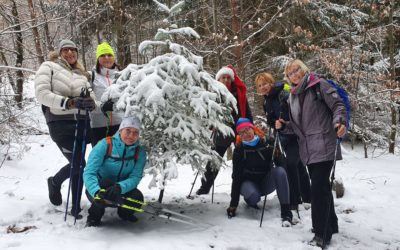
<point x="54" y="56"/>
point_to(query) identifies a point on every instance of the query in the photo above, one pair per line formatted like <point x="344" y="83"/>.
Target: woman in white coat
<point x="105" y="122"/>
<point x="58" y="87"/>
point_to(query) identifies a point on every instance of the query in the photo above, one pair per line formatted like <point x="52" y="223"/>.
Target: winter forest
<point x="354" y="42"/>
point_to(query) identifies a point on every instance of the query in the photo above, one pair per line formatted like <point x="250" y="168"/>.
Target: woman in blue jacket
<point x="114" y="170"/>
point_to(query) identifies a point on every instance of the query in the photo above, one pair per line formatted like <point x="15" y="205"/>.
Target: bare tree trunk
<point x="392" y="135"/>
<point x="123" y="48"/>
<point x="35" y="33"/>
<point x="49" y="42"/>
<point x="237" y="50"/>
<point x="215" y="30"/>
<point x="20" y="54"/>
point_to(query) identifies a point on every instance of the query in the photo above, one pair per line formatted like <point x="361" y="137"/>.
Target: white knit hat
<point x="225" y="71"/>
<point x="130" y="122"/>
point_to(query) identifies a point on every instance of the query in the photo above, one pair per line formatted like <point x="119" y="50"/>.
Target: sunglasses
<point x="66" y="50"/>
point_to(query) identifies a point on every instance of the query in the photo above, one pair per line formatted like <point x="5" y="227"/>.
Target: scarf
<point x="253" y="142"/>
<point x="241" y="93"/>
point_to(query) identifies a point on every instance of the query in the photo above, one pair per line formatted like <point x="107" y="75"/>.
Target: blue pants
<point x="252" y="191"/>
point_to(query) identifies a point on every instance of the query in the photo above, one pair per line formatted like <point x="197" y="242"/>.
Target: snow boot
<point x="286" y="215"/>
<point x="202" y="190"/>
<point x="127" y="215"/>
<point x="75" y="212"/>
<point x="54" y="192"/>
<point x="92" y="222"/>
<point x="319" y="242"/>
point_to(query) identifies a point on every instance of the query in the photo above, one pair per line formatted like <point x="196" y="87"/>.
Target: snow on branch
<point x="178" y="102"/>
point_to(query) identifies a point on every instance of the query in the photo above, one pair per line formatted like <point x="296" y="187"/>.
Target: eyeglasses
<point x="294" y="72"/>
<point x="66" y="50"/>
<point x="129" y="132"/>
<point x="245" y="131"/>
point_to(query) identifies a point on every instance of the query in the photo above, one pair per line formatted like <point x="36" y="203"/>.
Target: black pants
<point x="322" y="208"/>
<point x="96" y="210"/>
<point x="299" y="181"/>
<point x="63" y="134"/>
<point x="100" y="133"/>
<point x="211" y="174"/>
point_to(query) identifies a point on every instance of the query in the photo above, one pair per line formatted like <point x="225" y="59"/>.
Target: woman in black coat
<point x="276" y="107"/>
<point x="254" y="174"/>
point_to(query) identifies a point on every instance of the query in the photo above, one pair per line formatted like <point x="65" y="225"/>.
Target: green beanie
<point x="104" y="49"/>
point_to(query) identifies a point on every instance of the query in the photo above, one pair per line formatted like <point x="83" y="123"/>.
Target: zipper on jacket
<point x="109" y="83"/>
<point x="122" y="164"/>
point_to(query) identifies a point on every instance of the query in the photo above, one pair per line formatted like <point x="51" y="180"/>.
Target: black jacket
<point x="250" y="163"/>
<point x="275" y="105"/>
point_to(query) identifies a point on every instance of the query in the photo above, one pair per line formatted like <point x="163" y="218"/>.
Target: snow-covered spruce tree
<point x="178" y="102"/>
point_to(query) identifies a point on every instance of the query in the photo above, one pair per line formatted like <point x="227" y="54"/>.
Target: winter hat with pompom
<point x="243" y="123"/>
<point x="130" y="122"/>
<point x="225" y="71"/>
<point x="104" y="49"/>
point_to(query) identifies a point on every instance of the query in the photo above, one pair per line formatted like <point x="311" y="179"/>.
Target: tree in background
<point x="176" y="100"/>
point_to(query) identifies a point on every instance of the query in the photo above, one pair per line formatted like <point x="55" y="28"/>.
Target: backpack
<point x="343" y="95"/>
<point x="109" y="151"/>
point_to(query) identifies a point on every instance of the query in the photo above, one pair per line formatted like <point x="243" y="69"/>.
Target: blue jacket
<point x="127" y="173"/>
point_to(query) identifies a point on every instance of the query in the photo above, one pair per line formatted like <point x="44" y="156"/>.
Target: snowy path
<point x="368" y="213"/>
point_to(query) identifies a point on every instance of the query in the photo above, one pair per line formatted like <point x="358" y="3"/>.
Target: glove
<point x="113" y="193"/>
<point x="231" y="211"/>
<point x="107" y="106"/>
<point x="83" y="103"/>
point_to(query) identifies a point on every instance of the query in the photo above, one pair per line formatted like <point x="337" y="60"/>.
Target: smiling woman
<point x="58" y="85"/>
<point x="114" y="170"/>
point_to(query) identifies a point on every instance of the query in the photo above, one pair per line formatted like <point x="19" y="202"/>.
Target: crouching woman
<point x="113" y="172"/>
<point x="253" y="172"/>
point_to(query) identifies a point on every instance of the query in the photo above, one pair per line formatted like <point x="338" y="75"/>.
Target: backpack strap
<point x="92" y="78"/>
<point x="109" y="147"/>
<point x="109" y="152"/>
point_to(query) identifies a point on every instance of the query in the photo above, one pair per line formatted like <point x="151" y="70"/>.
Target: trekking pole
<point x="265" y="197"/>
<point x="212" y="190"/>
<point x="72" y="165"/>
<point x="194" y="181"/>
<point x="338" y="140"/>
<point x="81" y="164"/>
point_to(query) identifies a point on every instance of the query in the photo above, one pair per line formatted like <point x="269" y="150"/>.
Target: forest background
<point x="356" y="43"/>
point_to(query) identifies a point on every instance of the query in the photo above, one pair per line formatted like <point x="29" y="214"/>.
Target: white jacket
<point x="55" y="82"/>
<point x="99" y="84"/>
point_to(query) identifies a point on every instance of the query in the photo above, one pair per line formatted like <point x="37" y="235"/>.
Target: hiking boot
<point x="74" y="212"/>
<point x="286" y="222"/>
<point x="130" y="218"/>
<point x="202" y="191"/>
<point x="286" y="215"/>
<point x="92" y="223"/>
<point x="54" y="192"/>
<point x="319" y="242"/>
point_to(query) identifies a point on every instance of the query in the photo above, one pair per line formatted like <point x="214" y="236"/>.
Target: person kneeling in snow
<point x="113" y="172"/>
<point x="253" y="172"/>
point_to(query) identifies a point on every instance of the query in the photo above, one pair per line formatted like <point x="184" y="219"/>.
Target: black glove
<point x="231" y="211"/>
<point x="83" y="103"/>
<point x="113" y="193"/>
<point x="107" y="106"/>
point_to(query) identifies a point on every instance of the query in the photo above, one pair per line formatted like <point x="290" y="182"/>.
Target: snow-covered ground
<point x="368" y="212"/>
